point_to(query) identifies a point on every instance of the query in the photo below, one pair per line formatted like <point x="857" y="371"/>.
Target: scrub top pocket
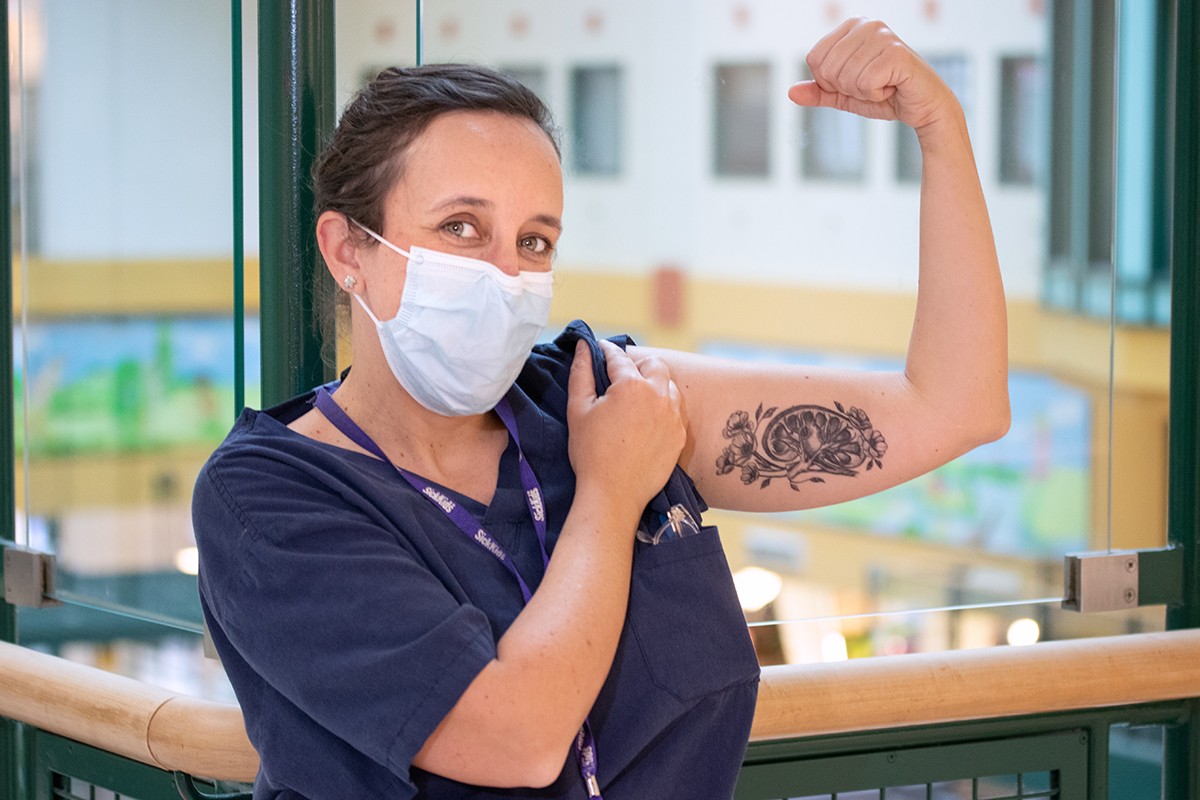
<point x="686" y="617"/>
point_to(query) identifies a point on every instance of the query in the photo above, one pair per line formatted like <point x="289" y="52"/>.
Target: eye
<point x="536" y="244"/>
<point x="460" y="228"/>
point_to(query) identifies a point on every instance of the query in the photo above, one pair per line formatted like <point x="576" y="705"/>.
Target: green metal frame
<point x="296" y="106"/>
<point x="1183" y="511"/>
<point x="239" y="216"/>
<point x="1062" y="753"/>
<point x="50" y="755"/>
<point x="10" y="784"/>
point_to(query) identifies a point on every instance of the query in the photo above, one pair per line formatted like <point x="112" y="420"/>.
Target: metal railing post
<point x="296" y="103"/>
<point x="1183" y="513"/>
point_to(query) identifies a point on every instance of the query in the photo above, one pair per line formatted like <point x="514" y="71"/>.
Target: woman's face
<point x="484" y="185"/>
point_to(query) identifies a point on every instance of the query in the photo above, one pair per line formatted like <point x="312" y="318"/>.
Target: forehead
<point x="484" y="148"/>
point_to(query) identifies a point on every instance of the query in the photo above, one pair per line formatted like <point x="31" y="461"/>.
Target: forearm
<point x="958" y="354"/>
<point x="515" y="723"/>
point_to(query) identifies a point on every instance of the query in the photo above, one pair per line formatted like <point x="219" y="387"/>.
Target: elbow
<point x="540" y="763"/>
<point x="990" y="420"/>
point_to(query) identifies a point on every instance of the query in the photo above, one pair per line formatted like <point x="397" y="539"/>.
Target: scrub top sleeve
<point x="325" y="602"/>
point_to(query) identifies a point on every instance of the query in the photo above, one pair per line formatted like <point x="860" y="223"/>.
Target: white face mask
<point x="463" y="331"/>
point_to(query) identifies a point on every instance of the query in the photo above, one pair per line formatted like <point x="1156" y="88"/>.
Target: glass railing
<point x="704" y="212"/>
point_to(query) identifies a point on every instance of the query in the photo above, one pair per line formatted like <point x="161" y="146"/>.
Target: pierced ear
<point x="338" y="248"/>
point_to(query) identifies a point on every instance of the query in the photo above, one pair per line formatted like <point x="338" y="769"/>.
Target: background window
<point x="955" y="71"/>
<point x="742" y="120"/>
<point x="833" y="143"/>
<point x="533" y="77"/>
<point x="1022" y="123"/>
<point x="596" y="120"/>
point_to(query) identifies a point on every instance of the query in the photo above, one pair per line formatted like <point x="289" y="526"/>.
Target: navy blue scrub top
<point x="351" y="614"/>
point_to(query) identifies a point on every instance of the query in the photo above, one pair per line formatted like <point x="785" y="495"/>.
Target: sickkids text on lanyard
<point x="585" y="744"/>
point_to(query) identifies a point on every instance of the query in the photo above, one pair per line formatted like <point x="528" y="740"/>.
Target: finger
<point x="581" y="383"/>
<point x="831" y="54"/>
<point x="807" y="93"/>
<point x="820" y="51"/>
<point x="855" y="79"/>
<point x="620" y="365"/>
<point x="879" y="78"/>
<point x="656" y="372"/>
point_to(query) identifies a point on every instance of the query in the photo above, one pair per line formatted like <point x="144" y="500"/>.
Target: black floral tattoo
<point x="800" y="442"/>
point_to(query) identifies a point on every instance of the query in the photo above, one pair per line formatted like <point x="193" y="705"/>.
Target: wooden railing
<point x="206" y="738"/>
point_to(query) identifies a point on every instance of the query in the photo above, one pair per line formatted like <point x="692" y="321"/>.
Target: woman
<point x="420" y="585"/>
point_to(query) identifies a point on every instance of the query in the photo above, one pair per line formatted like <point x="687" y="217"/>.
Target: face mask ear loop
<point x="362" y="303"/>
<point x="379" y="239"/>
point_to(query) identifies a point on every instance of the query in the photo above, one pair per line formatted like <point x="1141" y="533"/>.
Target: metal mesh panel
<point x="65" y="787"/>
<point x="1022" y="786"/>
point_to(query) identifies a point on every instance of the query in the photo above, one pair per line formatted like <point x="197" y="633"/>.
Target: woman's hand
<point x="863" y="67"/>
<point x="629" y="439"/>
<point x="516" y="722"/>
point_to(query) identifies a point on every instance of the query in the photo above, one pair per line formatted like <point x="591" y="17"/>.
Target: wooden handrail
<point x="118" y="714"/>
<point x="931" y="688"/>
<point x="208" y="739"/>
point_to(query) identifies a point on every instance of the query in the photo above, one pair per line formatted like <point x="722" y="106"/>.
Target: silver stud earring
<point x="349" y="282"/>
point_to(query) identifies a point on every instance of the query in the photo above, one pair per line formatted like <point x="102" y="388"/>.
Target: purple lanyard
<point x="585" y="745"/>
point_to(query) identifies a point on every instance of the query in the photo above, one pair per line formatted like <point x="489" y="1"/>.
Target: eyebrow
<point x="479" y="202"/>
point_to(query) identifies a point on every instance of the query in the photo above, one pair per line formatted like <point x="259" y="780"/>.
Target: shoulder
<point x="549" y="366"/>
<point x="264" y="474"/>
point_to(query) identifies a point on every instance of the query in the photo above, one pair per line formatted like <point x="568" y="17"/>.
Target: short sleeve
<point x="322" y="597"/>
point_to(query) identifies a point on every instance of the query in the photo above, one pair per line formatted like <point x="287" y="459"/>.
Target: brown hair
<point x="366" y="155"/>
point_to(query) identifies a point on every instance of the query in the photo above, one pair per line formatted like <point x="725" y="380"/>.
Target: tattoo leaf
<point x="869" y="465"/>
<point x="839" y="406"/>
<point x="766" y="482"/>
<point x="816" y="479"/>
<point x="769" y="411"/>
<point x="758" y="414"/>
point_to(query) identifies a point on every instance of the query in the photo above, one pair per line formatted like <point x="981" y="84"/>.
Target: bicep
<point x="767" y="437"/>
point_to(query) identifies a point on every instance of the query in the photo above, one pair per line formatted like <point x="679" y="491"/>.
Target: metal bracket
<point x="1122" y="579"/>
<point x="29" y="577"/>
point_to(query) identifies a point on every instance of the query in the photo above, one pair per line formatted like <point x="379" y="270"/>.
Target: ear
<point x="338" y="247"/>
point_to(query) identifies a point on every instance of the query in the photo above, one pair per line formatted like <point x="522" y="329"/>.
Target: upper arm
<point x="768" y="437"/>
<point x="321" y="600"/>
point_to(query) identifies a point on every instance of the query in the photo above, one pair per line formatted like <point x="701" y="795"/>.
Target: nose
<point x="505" y="259"/>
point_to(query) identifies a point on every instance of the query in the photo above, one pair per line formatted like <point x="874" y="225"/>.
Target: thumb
<point x="581" y="384"/>
<point x="805" y="93"/>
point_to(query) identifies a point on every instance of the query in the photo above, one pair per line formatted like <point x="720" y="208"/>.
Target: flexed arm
<point x="774" y="438"/>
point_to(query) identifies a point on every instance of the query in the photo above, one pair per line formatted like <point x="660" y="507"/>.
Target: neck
<point x="390" y="415"/>
<point x="462" y="453"/>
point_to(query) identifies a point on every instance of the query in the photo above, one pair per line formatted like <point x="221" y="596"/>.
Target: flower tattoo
<point x="800" y="443"/>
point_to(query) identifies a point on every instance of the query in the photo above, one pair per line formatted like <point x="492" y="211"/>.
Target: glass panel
<point x="780" y="270"/>
<point x="1135" y="762"/>
<point x="952" y="790"/>
<point x="124" y="342"/>
<point x="914" y="792"/>
<point x="997" y="786"/>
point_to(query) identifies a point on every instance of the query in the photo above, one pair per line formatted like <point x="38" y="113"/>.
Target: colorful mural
<point x="105" y="385"/>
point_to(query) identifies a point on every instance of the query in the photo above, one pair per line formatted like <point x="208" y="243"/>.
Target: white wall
<point x="666" y="206"/>
<point x="133" y="136"/>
